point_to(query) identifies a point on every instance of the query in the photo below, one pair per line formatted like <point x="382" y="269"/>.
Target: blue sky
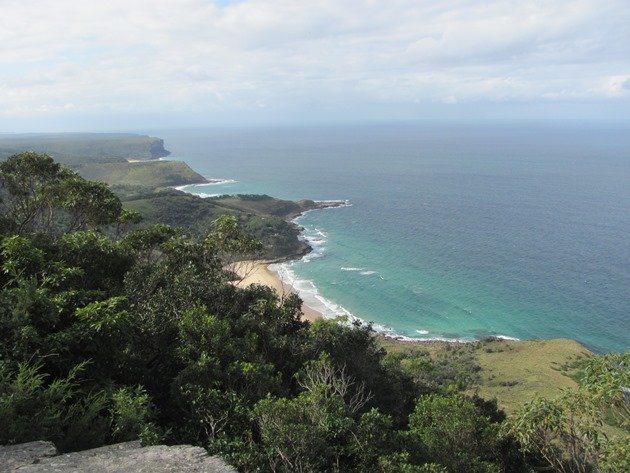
<point x="73" y="65"/>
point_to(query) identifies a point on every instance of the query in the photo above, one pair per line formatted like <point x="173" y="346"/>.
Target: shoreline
<point x="262" y="274"/>
<point x="258" y="272"/>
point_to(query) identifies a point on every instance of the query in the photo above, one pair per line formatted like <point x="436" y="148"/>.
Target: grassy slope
<point x="515" y="372"/>
<point x="152" y="174"/>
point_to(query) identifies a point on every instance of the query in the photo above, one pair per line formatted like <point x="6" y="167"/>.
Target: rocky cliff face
<point x="157" y="149"/>
<point x="36" y="457"/>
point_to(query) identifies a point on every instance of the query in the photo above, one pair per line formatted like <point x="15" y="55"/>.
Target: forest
<point x="113" y="329"/>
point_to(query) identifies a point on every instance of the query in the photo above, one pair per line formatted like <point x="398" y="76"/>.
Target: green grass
<point x="150" y="174"/>
<point x="513" y="372"/>
<point x="516" y="372"/>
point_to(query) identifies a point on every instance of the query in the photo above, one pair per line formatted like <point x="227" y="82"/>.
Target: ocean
<point x="453" y="231"/>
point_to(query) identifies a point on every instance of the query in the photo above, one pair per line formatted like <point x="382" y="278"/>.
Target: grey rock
<point x="13" y="456"/>
<point x="124" y="457"/>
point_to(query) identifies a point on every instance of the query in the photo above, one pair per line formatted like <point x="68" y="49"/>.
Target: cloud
<point x="166" y="55"/>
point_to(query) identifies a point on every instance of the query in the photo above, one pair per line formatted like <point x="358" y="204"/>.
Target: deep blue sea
<point x="517" y="229"/>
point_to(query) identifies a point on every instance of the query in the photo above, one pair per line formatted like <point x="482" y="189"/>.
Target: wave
<point x="507" y="337"/>
<point x="211" y="182"/>
<point x="183" y="188"/>
<point x="317" y="240"/>
<point x="404" y="338"/>
<point x="361" y="271"/>
<point x="218" y="182"/>
<point x="346" y="203"/>
<point x="309" y="293"/>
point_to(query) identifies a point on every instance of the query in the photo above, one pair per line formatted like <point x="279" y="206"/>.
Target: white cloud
<point x="161" y="55"/>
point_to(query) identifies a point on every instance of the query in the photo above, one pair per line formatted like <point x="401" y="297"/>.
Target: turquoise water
<point x="454" y="231"/>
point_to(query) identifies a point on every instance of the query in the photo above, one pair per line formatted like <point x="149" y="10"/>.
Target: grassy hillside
<point x="513" y="372"/>
<point x="516" y="372"/>
<point x="77" y="148"/>
<point x="152" y="174"/>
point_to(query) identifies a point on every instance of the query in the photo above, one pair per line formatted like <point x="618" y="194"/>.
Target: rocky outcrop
<point x="39" y="457"/>
<point x="157" y="149"/>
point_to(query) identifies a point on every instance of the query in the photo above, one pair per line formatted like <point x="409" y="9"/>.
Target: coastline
<point x="258" y="272"/>
<point x="270" y="272"/>
<point x="276" y="273"/>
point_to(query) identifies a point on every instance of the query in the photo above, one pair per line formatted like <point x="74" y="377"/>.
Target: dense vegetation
<point x="169" y="206"/>
<point x="111" y="331"/>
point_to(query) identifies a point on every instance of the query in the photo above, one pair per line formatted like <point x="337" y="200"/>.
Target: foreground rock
<point x="119" y="458"/>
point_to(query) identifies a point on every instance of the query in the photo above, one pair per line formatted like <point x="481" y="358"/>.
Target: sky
<point x="123" y="64"/>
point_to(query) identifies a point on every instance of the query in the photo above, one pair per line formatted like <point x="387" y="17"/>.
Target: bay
<point x="455" y="231"/>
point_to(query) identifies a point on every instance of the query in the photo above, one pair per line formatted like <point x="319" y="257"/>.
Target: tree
<point x="451" y="431"/>
<point x="566" y="432"/>
<point x="41" y="196"/>
<point x="28" y="181"/>
<point x="228" y="241"/>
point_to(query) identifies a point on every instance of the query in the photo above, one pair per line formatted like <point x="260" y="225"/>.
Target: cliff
<point x="74" y="149"/>
<point x="157" y="149"/>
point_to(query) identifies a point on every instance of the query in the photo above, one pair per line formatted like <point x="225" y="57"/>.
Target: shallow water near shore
<point x="455" y="231"/>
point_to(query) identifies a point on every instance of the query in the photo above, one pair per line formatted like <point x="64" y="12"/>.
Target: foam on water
<point x="309" y="293"/>
<point x="211" y="182"/>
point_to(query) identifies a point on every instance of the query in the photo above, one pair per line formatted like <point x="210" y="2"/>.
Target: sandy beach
<point x="258" y="272"/>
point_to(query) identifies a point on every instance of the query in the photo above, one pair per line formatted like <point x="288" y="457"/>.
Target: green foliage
<point x="278" y="237"/>
<point x="229" y="243"/>
<point x="399" y="463"/>
<point x="320" y="428"/>
<point x="567" y="431"/>
<point x="104" y="339"/>
<point x="130" y="412"/>
<point x="30" y="408"/>
<point x="451" y="431"/>
<point x="40" y="196"/>
<point x="452" y="369"/>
